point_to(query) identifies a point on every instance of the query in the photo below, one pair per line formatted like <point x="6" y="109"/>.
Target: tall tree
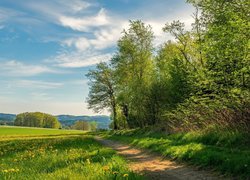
<point x="134" y="68"/>
<point x="102" y="90"/>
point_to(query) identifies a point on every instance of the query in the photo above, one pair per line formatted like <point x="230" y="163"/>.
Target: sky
<point x="47" y="47"/>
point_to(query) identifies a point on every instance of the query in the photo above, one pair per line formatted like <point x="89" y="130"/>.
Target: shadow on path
<point x="156" y="167"/>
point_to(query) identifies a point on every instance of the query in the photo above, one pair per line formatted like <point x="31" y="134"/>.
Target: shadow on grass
<point x="232" y="161"/>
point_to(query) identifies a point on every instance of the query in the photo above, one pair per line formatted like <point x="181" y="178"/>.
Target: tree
<point x="226" y="43"/>
<point x="81" y="125"/>
<point x="37" y="119"/>
<point x="93" y="125"/>
<point x="133" y="66"/>
<point x="102" y="90"/>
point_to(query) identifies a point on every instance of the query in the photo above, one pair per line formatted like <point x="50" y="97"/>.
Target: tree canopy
<point x="200" y="78"/>
<point x="37" y="119"/>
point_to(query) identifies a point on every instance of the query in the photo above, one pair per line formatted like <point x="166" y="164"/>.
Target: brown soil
<point x="156" y="167"/>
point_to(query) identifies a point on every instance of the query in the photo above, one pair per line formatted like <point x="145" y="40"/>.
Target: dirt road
<point x="156" y="167"/>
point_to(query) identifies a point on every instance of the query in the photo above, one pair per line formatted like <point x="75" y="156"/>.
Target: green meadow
<point x="31" y="153"/>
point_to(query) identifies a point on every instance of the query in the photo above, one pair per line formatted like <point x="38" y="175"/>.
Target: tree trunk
<point x="115" y="117"/>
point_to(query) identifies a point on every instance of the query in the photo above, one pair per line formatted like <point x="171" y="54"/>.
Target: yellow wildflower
<point x="125" y="175"/>
<point x="105" y="168"/>
<point x="88" y="161"/>
<point x="115" y="172"/>
<point x="12" y="170"/>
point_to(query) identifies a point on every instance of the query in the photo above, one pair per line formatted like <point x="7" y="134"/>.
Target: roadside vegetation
<point x="223" y="151"/>
<point x="68" y="156"/>
<point x="194" y="90"/>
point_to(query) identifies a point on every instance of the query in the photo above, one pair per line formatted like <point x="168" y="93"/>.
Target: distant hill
<point x="7" y="117"/>
<point x="68" y="120"/>
<point x="65" y="120"/>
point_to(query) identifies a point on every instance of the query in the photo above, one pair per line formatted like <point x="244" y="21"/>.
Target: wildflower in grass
<point x="88" y="161"/>
<point x="5" y="171"/>
<point x="125" y="175"/>
<point x="105" y="168"/>
<point x="12" y="170"/>
<point x="115" y="172"/>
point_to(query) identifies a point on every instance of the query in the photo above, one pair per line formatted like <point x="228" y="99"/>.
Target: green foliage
<point x="93" y="125"/>
<point x="201" y="79"/>
<point x="85" y="125"/>
<point x="81" y="125"/>
<point x="225" y="151"/>
<point x="37" y="119"/>
<point x="134" y="68"/>
<point x="63" y="157"/>
<point x="102" y="90"/>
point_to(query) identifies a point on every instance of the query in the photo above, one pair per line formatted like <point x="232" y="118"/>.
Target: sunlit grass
<point x="227" y="152"/>
<point x="66" y="157"/>
<point x="15" y="132"/>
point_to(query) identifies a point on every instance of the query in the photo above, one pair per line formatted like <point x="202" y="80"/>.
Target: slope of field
<point x="56" y="154"/>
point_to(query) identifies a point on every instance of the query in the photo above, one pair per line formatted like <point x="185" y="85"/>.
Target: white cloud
<point x="75" y="5"/>
<point x="160" y="36"/>
<point x="31" y="84"/>
<point x="85" y="23"/>
<point x="6" y="13"/>
<point x="103" y="38"/>
<point x="80" y="59"/>
<point x="15" y="68"/>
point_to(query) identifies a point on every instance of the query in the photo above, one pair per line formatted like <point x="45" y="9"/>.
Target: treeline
<point x="201" y="78"/>
<point x="37" y="119"/>
<point x="85" y="125"/>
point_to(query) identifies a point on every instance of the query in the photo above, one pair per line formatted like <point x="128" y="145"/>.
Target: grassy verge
<point x="67" y="157"/>
<point x="227" y="152"/>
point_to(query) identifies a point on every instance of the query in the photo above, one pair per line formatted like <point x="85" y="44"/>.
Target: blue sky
<point x="47" y="47"/>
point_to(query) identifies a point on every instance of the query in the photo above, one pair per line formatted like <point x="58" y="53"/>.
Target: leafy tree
<point x="93" y="125"/>
<point x="102" y="90"/>
<point x="202" y="77"/>
<point x="81" y="125"/>
<point x="133" y="68"/>
<point x="37" y="119"/>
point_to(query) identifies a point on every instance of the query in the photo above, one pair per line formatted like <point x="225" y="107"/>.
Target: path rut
<point x="156" y="167"/>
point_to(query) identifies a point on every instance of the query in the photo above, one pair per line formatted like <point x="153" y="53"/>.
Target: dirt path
<point x="154" y="166"/>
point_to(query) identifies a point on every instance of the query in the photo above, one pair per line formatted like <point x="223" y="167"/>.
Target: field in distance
<point x="15" y="132"/>
<point x="32" y="153"/>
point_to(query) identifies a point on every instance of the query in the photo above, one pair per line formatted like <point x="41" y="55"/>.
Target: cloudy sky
<point x="47" y="47"/>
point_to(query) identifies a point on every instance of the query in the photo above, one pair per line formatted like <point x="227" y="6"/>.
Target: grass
<point x="27" y="131"/>
<point x="67" y="156"/>
<point x="226" y="152"/>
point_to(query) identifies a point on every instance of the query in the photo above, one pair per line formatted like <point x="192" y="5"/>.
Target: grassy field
<point x="226" y="152"/>
<point x="64" y="155"/>
<point x="12" y="131"/>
